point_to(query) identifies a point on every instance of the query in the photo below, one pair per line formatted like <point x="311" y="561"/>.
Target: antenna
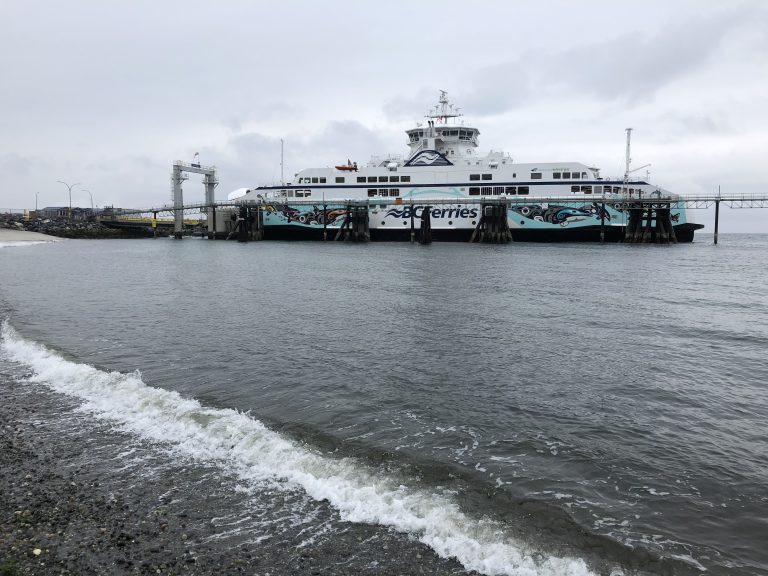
<point x="628" y="159"/>
<point x="282" y="164"/>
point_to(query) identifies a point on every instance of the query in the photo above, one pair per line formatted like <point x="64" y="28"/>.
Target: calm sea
<point x="518" y="409"/>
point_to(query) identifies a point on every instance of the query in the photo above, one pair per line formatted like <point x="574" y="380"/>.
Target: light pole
<point x="91" y="195"/>
<point x="69" y="187"/>
<point x="36" y="195"/>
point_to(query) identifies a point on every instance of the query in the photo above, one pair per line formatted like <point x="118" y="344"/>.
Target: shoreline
<point x="12" y="235"/>
<point x="71" y="504"/>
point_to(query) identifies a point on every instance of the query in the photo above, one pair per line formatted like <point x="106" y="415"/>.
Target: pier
<point x="647" y="218"/>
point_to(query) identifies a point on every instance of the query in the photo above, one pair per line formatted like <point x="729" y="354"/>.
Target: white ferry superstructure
<point x="443" y="165"/>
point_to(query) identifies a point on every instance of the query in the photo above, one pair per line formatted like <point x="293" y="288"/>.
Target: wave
<point x="241" y="444"/>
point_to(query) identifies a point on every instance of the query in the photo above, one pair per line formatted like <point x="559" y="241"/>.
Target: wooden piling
<point x="717" y="218"/>
<point x="425" y="231"/>
<point x="602" y="223"/>
<point x="325" y="222"/>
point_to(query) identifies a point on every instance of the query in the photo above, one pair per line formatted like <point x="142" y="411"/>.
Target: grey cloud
<point x="19" y="165"/>
<point x="409" y="107"/>
<point x="630" y="68"/>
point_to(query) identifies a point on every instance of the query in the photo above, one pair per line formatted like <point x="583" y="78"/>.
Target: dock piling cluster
<point x="649" y="223"/>
<point x="493" y="226"/>
<point x="355" y="227"/>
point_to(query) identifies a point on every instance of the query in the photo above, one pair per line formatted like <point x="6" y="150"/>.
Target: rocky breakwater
<point x="64" y="228"/>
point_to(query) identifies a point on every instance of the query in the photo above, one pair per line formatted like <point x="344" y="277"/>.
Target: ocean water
<point x="519" y="409"/>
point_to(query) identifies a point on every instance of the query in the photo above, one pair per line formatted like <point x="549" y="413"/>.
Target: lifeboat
<point x="348" y="167"/>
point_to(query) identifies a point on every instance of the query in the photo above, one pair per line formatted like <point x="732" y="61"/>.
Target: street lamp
<point x="36" y="195"/>
<point x="91" y="195"/>
<point x="69" y="187"/>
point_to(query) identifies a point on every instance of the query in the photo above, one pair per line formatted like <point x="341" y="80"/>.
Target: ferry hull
<point x="576" y="221"/>
<point x="683" y="232"/>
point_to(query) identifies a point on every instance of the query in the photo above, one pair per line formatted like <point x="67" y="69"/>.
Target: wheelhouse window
<point x="535" y="175"/>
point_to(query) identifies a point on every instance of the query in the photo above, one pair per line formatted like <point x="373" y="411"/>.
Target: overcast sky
<point x="111" y="93"/>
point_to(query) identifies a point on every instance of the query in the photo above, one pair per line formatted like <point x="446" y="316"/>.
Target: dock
<point x="647" y="218"/>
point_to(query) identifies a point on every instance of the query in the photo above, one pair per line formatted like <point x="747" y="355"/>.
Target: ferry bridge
<point x="645" y="215"/>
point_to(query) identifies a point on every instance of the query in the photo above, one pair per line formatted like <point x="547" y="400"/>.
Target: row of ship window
<point x="601" y="190"/>
<point x="373" y="192"/>
<point x="404" y="178"/>
<point x="384" y="178"/>
<point x="498" y="190"/>
<point x="462" y="134"/>
<point x="480" y="191"/>
<point x="360" y="179"/>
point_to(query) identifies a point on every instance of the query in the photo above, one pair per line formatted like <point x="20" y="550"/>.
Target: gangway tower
<point x="179" y="174"/>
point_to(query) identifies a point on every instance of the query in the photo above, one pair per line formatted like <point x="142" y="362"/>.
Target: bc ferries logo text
<point x="434" y="212"/>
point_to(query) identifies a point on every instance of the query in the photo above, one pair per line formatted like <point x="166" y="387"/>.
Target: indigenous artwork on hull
<point x="562" y="215"/>
<point x="315" y="216"/>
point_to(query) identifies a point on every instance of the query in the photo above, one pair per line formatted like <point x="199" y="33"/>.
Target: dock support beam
<point x="209" y="181"/>
<point x="178" y="202"/>
<point x="413" y="231"/>
<point x="717" y="218"/>
<point x="178" y="175"/>
<point x="425" y="231"/>
<point x="602" y="223"/>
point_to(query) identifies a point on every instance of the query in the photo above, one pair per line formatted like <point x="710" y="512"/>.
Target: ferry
<point x="444" y="173"/>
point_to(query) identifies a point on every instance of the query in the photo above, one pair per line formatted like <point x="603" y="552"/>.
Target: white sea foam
<point x="243" y="445"/>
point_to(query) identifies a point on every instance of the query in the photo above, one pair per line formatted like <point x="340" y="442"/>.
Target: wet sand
<point x="10" y="235"/>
